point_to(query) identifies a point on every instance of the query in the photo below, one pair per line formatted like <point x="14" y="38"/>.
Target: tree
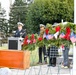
<point x="48" y="11"/>
<point x="17" y="14"/>
<point x="3" y="25"/>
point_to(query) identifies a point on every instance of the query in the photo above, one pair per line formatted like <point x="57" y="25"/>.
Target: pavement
<point x="42" y="70"/>
<point x="45" y="69"/>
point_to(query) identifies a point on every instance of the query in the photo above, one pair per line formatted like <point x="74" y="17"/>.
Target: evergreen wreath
<point x="62" y="34"/>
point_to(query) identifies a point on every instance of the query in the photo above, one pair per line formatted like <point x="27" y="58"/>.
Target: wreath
<point x="62" y="34"/>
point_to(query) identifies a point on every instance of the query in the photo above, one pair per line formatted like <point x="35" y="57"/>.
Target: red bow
<point x="67" y="35"/>
<point x="25" y="41"/>
<point x="47" y="31"/>
<point x="32" y="39"/>
<point x="57" y="28"/>
<point x="40" y="38"/>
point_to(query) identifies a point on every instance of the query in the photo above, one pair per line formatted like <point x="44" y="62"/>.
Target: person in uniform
<point x="20" y="32"/>
<point x="42" y="49"/>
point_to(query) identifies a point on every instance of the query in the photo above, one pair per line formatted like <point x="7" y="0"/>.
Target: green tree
<point x="48" y="11"/>
<point x="17" y="14"/>
<point x="3" y="23"/>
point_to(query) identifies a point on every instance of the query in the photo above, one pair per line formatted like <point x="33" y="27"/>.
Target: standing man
<point x="20" y="32"/>
<point x="66" y="63"/>
<point x="42" y="49"/>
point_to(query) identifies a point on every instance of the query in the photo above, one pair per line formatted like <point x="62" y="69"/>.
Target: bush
<point x="47" y="11"/>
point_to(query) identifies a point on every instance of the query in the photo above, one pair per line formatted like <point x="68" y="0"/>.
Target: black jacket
<point x="21" y="33"/>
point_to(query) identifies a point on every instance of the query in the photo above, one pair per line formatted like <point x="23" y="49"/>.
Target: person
<point x="52" y="54"/>
<point x="65" y="50"/>
<point x="20" y="32"/>
<point x="42" y="49"/>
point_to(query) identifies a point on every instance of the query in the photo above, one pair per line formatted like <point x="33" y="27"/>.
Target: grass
<point x="3" y="47"/>
<point x="34" y="57"/>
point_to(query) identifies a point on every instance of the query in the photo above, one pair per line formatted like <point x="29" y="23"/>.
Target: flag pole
<point x="74" y="47"/>
<point x="74" y="12"/>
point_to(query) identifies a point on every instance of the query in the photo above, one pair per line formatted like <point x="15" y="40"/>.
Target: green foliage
<point x="51" y="29"/>
<point x="30" y="46"/>
<point x="35" y="35"/>
<point x="3" y="26"/>
<point x="3" y="21"/>
<point x="17" y="14"/>
<point x="69" y="24"/>
<point x="54" y="41"/>
<point x="48" y="11"/>
<point x="40" y="12"/>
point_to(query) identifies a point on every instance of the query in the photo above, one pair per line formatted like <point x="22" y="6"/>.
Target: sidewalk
<point x="42" y="70"/>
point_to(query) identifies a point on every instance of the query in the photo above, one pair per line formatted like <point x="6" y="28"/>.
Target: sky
<point x="6" y="5"/>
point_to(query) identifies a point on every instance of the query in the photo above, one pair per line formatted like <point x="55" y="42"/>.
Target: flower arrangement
<point x="53" y="35"/>
<point x="29" y="42"/>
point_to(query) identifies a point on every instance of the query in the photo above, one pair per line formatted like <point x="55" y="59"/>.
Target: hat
<point x="19" y="23"/>
<point x="41" y="25"/>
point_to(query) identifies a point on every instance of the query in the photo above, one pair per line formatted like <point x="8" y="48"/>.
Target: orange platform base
<point x="15" y="59"/>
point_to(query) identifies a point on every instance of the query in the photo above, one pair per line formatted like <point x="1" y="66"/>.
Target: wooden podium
<point x="15" y="59"/>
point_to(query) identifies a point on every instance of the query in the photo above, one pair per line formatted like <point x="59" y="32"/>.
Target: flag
<point x="44" y="36"/>
<point x="72" y="37"/>
<point x="75" y="37"/>
<point x="62" y="35"/>
<point x="56" y="35"/>
<point x="50" y="36"/>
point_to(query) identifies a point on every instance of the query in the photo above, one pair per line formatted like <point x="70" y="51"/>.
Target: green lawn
<point x="34" y="57"/>
<point x="3" y="47"/>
